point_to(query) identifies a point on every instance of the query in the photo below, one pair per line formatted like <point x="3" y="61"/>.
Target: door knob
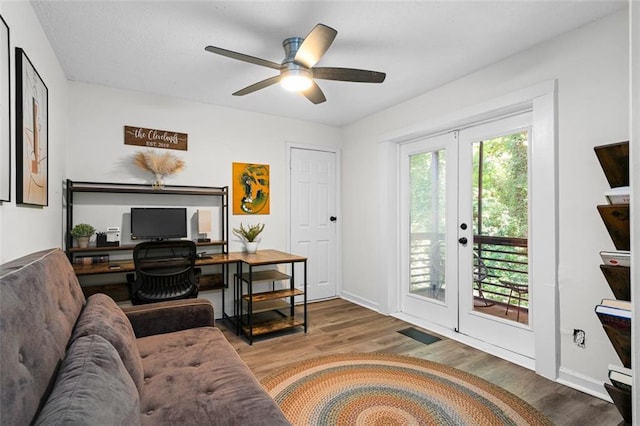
<point x="463" y="240"/>
<point x="333" y="218"/>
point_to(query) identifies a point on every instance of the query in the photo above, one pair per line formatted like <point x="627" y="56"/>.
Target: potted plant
<point x="249" y="235"/>
<point x="82" y="232"/>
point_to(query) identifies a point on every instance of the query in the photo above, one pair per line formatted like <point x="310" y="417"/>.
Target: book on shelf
<point x="615" y="316"/>
<point x="619" y="280"/>
<point x="618" y="195"/>
<point x="620" y="377"/>
<point x="616" y="258"/>
<point x="622" y="400"/>
<point x="88" y="260"/>
<point x="614" y="159"/>
<point x="616" y="220"/>
<point x="624" y="305"/>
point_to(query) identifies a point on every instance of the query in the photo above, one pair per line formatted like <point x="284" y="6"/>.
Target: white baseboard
<point x="582" y="383"/>
<point x="366" y="303"/>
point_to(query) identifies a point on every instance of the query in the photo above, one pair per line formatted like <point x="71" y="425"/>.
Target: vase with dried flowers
<point x="161" y="165"/>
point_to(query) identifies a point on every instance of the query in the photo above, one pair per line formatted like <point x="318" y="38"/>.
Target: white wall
<point x="217" y="137"/>
<point x="27" y="229"/>
<point x="591" y="68"/>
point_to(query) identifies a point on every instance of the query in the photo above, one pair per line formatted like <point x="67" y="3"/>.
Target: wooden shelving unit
<point x="273" y="310"/>
<point x="117" y="288"/>
<point x="614" y="159"/>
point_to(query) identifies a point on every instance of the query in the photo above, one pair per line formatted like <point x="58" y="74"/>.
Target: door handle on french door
<point x="333" y="218"/>
<point x="463" y="241"/>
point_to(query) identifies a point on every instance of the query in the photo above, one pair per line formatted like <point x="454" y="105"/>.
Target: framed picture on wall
<point x="32" y="134"/>
<point x="5" y="113"/>
<point x="250" y="188"/>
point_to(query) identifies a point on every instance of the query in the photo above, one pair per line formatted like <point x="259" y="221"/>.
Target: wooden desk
<point x="128" y="266"/>
<point x="267" y="257"/>
<point x="247" y="321"/>
<point x="119" y="291"/>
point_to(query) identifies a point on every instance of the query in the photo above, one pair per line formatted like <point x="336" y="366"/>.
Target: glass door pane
<point x="427" y="186"/>
<point x="428" y="208"/>
<point x="500" y="226"/>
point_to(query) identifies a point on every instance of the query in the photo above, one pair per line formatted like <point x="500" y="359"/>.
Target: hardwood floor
<point x="338" y="326"/>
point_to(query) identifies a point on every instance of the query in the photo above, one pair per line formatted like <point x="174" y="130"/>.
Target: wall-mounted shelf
<point x="615" y="315"/>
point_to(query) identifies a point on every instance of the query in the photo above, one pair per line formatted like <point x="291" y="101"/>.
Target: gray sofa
<point x="67" y="360"/>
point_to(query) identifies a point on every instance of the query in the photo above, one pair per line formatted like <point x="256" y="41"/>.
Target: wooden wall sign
<point x="153" y="138"/>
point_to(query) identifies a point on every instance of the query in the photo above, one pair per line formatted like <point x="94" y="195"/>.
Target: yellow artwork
<point x="250" y="188"/>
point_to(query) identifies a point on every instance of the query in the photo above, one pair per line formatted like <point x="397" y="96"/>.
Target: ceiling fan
<point x="297" y="71"/>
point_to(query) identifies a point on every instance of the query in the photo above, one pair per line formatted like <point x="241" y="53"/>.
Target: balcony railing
<point x="503" y="258"/>
<point x="506" y="259"/>
<point x="427" y="263"/>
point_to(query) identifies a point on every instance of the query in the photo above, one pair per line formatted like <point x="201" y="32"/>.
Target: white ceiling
<point x="158" y="46"/>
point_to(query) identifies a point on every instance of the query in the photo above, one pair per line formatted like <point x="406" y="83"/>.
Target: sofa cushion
<point x="170" y="316"/>
<point x="195" y="377"/>
<point x="92" y="388"/>
<point x="40" y="300"/>
<point x="103" y="317"/>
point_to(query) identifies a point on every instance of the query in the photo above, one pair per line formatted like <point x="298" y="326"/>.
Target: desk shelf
<point x="126" y="195"/>
<point x="271" y="295"/>
<point x="269" y="305"/>
<point x="270" y="300"/>
<point x="133" y="188"/>
<point x="265" y="276"/>
<point x="120" y="291"/>
<point x="158" y="198"/>
<point x="93" y="249"/>
<point x="267" y="324"/>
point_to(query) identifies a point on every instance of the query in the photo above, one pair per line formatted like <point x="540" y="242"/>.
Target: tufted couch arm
<point x="167" y="317"/>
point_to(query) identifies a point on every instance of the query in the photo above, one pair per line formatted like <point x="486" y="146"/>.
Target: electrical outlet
<point x="579" y="337"/>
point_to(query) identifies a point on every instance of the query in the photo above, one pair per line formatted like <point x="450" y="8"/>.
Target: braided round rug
<point x="383" y="389"/>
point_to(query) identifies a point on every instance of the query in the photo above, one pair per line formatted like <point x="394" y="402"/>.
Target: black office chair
<point x="165" y="270"/>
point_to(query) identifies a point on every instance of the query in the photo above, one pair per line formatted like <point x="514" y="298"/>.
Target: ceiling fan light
<point x="297" y="80"/>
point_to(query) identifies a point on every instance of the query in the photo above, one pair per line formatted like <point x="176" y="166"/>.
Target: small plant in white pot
<point x="249" y="235"/>
<point x="82" y="232"/>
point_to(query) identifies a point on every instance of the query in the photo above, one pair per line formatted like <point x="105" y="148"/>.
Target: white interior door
<point x="314" y="218"/>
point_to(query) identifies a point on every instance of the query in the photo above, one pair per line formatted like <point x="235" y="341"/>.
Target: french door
<point x="494" y="261"/>
<point x="429" y="228"/>
<point x="464" y="232"/>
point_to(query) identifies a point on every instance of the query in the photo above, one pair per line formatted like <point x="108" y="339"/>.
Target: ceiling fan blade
<point x="348" y="74"/>
<point x="315" y="45"/>
<point x="242" y="57"/>
<point x="314" y="94"/>
<point x="257" y="86"/>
